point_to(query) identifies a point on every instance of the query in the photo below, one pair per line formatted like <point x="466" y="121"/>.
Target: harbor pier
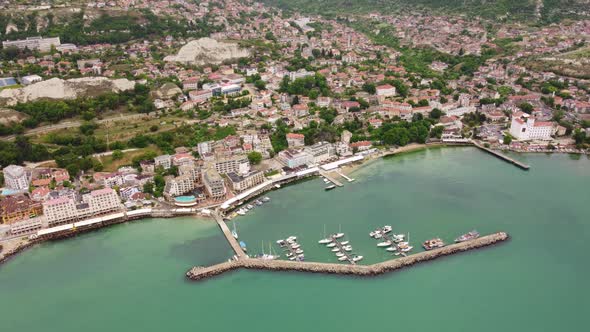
<point x="331" y="178"/>
<point x="228" y="235"/>
<point x="200" y="273"/>
<point x="502" y="156"/>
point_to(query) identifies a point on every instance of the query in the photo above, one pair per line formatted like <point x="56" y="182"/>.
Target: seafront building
<point x="65" y="209"/>
<point x="294" y="159"/>
<point x="524" y="127"/>
<point x="240" y="183"/>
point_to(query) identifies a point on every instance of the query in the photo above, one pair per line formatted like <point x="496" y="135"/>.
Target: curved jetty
<point x="198" y="273"/>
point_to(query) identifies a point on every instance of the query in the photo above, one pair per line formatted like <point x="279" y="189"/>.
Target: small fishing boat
<point x="281" y="243"/>
<point x="347" y="248"/>
<point x="266" y="199"/>
<point x="299" y="251"/>
<point x="384" y="244"/>
<point x="295" y="246"/>
<point x="343" y="258"/>
<point x="257" y="202"/>
<point x="331" y="245"/>
<point x="339" y="254"/>
<point x="243" y="245"/>
<point x="344" y="243"/>
<point x="387" y="229"/>
<point x="250" y="206"/>
<point x="337" y="235"/>
<point x="292" y="238"/>
<point x="378" y="235"/>
<point x="391" y="249"/>
<point x="325" y="241"/>
<point x="330" y="187"/>
<point x="336" y="250"/>
<point x="357" y="258"/>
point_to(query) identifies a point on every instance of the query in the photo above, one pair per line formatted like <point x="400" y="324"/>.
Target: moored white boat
<point x="331" y="245"/>
<point x="325" y="241"/>
<point x="357" y="258"/>
<point x="338" y="235"/>
<point x="335" y="249"/>
<point x="384" y="244"/>
<point x="343" y="258"/>
<point x="344" y="243"/>
<point x="391" y="249"/>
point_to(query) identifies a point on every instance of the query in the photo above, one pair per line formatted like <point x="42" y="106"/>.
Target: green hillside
<point x="523" y="10"/>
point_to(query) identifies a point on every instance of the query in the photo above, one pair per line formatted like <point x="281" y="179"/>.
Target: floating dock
<point x="503" y="157"/>
<point x="200" y="273"/>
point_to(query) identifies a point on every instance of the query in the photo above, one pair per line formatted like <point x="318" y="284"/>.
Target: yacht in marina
<point x="331" y="245"/>
<point x="336" y="249"/>
<point x="343" y="258"/>
<point x="357" y="258"/>
<point x="393" y="248"/>
<point x="384" y="244"/>
<point x="469" y="236"/>
<point x="266" y="199"/>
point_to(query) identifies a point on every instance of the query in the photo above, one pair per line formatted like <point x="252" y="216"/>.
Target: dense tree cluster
<point x="310" y="86"/>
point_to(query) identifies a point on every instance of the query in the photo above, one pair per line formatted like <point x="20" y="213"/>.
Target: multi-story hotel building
<point x="64" y="209"/>
<point x="214" y="184"/>
<point x="524" y="128"/>
<point x="16" y="177"/>
<point x="236" y="164"/>
<point x="242" y="182"/>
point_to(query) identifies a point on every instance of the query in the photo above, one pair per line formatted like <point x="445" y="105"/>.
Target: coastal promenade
<point x="228" y="235"/>
<point x="199" y="273"/>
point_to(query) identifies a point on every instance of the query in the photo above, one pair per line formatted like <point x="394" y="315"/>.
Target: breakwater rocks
<point x="199" y="273"/>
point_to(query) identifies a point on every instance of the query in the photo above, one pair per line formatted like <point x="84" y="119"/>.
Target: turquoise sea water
<point x="130" y="277"/>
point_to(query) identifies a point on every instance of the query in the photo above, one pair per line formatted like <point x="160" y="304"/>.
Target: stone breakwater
<point x="199" y="273"/>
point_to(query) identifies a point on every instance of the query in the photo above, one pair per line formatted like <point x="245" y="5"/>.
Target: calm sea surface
<point x="130" y="277"/>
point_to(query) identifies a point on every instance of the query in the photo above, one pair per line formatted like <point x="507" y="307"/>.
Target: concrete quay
<point x="331" y="178"/>
<point x="200" y="273"/>
<point x="228" y="235"/>
<point x="503" y="157"/>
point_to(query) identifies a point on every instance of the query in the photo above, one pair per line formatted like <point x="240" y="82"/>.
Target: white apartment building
<point x="179" y="185"/>
<point x="295" y="140"/>
<point x="65" y="210"/>
<point x="236" y="164"/>
<point x="214" y="184"/>
<point x="242" y="182"/>
<point x="294" y="158"/>
<point x="164" y="160"/>
<point x="205" y="147"/>
<point x="16" y="177"/>
<point x="321" y="152"/>
<point x="60" y="211"/>
<point x="301" y="73"/>
<point x="385" y="90"/>
<point x="524" y="128"/>
<point x="33" y="43"/>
